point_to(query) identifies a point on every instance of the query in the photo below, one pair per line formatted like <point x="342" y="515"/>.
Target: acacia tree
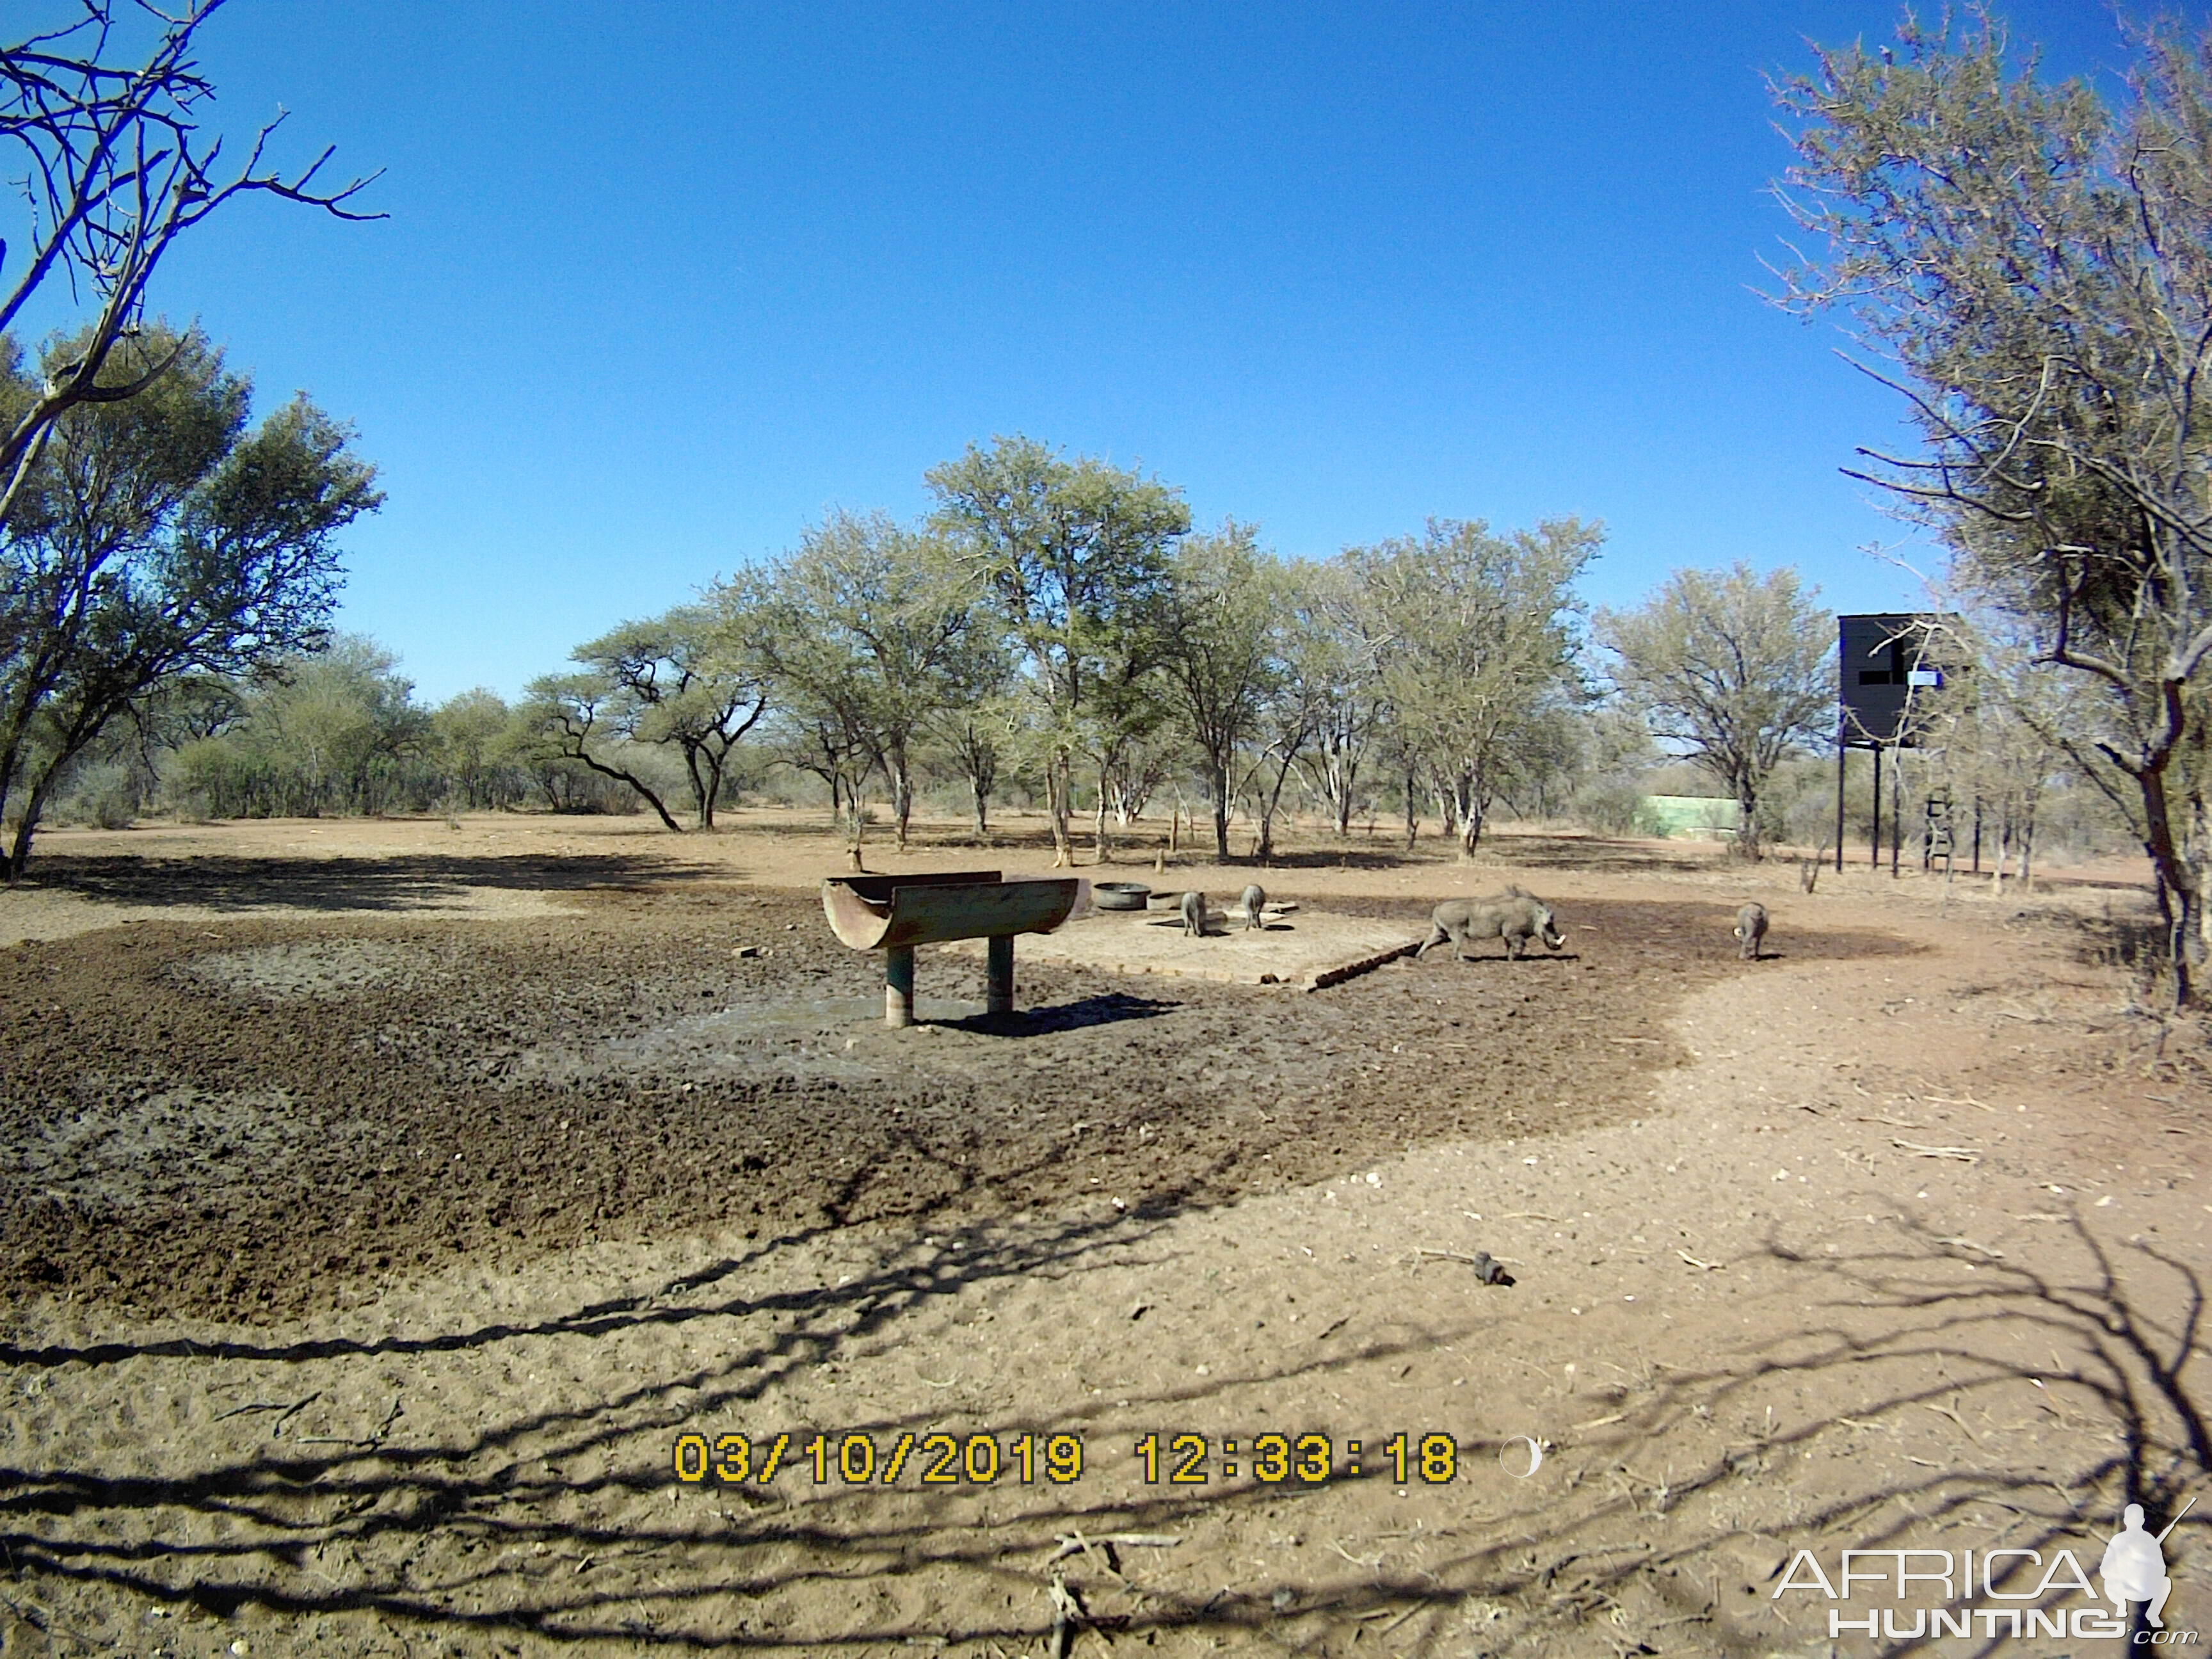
<point x="1294" y="712"/>
<point x="156" y="540"/>
<point x="466" y="731"/>
<point x="1075" y="557"/>
<point x="585" y="718"/>
<point x="823" y="735"/>
<point x="1222" y="654"/>
<point x="2031" y="262"/>
<point x="1130" y="734"/>
<point x="1733" y="669"/>
<point x="1328" y="653"/>
<point x="116" y="168"/>
<point x="685" y="680"/>
<point x="883" y="625"/>
<point x="1473" y="636"/>
<point x="969" y="738"/>
<point x="337" y="730"/>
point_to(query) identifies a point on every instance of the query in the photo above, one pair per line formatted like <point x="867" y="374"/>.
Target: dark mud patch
<point x="493" y="1091"/>
<point x="349" y="884"/>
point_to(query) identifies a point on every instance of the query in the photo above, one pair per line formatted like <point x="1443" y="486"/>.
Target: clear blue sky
<point x="663" y="282"/>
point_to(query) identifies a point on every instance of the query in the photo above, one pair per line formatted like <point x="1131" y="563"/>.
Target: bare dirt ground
<point x="397" y="1222"/>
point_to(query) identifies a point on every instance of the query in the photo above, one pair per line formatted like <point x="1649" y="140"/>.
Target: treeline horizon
<point x="1057" y="635"/>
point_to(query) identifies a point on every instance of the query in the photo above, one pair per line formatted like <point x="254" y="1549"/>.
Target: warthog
<point x="1194" y="913"/>
<point x="1255" y="900"/>
<point x="1513" y="915"/>
<point x="1751" y="928"/>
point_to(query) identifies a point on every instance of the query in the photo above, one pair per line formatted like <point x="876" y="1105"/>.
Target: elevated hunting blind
<point x="1884" y="662"/>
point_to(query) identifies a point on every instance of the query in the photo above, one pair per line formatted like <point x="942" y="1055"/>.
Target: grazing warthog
<point x="1513" y="915"/>
<point x="1751" y="928"/>
<point x="1194" y="913"/>
<point x="1255" y="899"/>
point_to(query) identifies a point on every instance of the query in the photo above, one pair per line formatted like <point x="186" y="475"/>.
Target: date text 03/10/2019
<point x="859" y="1457"/>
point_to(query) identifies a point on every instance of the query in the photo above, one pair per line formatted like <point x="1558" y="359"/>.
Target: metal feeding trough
<point x="894" y="914"/>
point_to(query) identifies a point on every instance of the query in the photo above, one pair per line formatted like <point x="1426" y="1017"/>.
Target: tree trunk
<point x="902" y="794"/>
<point x="856" y="819"/>
<point x="713" y="793"/>
<point x="1056" y="807"/>
<point x="1098" y="823"/>
<point x="703" y="807"/>
<point x="2185" y="936"/>
<point x="19" y="855"/>
<point x="1264" y="848"/>
<point x="651" y="799"/>
<point x="1747" y="843"/>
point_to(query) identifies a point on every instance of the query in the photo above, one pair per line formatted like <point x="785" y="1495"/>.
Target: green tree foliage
<point x="968" y="738"/>
<point x="1075" y="555"/>
<point x="1473" y="638"/>
<point x="2031" y="262"/>
<point x="471" y="744"/>
<point x="872" y="631"/>
<point x="1225" y="616"/>
<point x="334" y="732"/>
<point x="158" y="539"/>
<point x="1330" y="655"/>
<point x="1733" y="670"/>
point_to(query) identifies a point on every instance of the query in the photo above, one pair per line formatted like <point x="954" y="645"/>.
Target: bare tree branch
<point x="118" y="168"/>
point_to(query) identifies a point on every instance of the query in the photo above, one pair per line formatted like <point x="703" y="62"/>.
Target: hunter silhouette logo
<point x="2134" y="1568"/>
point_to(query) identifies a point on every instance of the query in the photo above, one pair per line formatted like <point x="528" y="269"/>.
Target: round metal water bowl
<point x="1120" y="894"/>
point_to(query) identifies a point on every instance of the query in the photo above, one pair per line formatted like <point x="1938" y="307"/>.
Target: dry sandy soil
<point x="398" y="1221"/>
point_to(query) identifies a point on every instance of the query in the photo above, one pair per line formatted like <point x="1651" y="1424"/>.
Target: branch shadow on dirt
<point x="265" y="1531"/>
<point x="1601" y="855"/>
<point x="411" y="882"/>
<point x="533" y="1527"/>
<point x="1347" y="857"/>
<point x="1930" y="1336"/>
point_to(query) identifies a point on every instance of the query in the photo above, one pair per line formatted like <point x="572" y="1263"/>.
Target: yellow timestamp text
<point x="859" y="1457"/>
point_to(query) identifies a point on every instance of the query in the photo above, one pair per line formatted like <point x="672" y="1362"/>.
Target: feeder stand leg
<point x="998" y="995"/>
<point x="898" y="986"/>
